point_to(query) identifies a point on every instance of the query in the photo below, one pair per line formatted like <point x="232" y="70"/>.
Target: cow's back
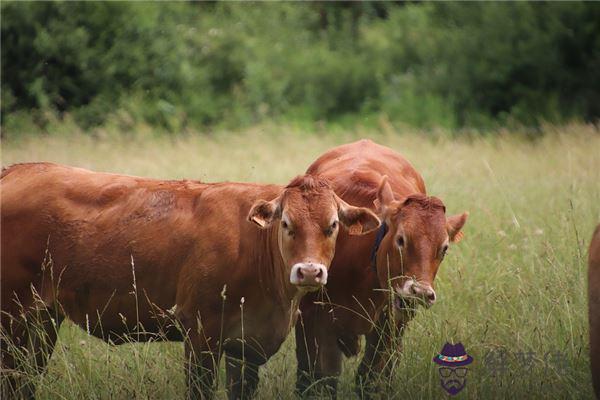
<point x="355" y="171"/>
<point x="594" y="308"/>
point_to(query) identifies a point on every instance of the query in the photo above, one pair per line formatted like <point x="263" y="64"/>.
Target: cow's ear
<point x="454" y="225"/>
<point x="385" y="202"/>
<point x="358" y="220"/>
<point x="263" y="212"/>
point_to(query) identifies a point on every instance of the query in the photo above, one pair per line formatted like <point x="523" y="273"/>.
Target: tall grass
<point x="516" y="282"/>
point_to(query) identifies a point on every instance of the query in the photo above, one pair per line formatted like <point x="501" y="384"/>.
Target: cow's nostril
<point x="300" y="274"/>
<point x="320" y="273"/>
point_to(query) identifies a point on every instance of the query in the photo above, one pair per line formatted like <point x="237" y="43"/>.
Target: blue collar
<point x="378" y="239"/>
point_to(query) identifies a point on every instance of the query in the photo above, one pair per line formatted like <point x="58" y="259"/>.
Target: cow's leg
<point x="382" y="342"/>
<point x="27" y="345"/>
<point x="200" y="368"/>
<point x="371" y="364"/>
<point x="306" y="352"/>
<point x="242" y="376"/>
<point x="201" y="362"/>
<point x="43" y="332"/>
<point x="319" y="356"/>
<point x="329" y="363"/>
<point x="13" y="343"/>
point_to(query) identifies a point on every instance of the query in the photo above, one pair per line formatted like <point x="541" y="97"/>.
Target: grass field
<point x="516" y="283"/>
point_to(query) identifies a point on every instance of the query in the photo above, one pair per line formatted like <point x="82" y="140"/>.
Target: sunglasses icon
<point x="446" y="372"/>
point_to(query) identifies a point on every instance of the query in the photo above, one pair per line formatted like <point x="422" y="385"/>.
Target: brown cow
<point x="119" y="255"/>
<point x="594" y="308"/>
<point x="402" y="258"/>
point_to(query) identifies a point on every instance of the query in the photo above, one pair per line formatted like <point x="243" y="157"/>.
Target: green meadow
<point x="513" y="291"/>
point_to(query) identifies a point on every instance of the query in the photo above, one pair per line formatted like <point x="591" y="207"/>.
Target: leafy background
<point x="187" y="65"/>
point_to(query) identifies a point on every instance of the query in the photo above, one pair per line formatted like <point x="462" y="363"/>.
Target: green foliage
<point x="191" y="65"/>
<point x="520" y="60"/>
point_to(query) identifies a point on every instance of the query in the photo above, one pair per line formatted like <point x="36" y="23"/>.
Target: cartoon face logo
<point x="453" y="371"/>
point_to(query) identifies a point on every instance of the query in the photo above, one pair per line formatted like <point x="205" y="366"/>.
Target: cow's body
<point x="97" y="231"/>
<point x="179" y="257"/>
<point x="356" y="297"/>
<point x="594" y="308"/>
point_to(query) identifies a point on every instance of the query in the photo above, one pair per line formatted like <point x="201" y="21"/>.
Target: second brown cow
<point x="395" y="267"/>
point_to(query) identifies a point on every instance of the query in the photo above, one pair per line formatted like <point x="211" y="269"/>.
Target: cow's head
<point x="307" y="216"/>
<point x="418" y="236"/>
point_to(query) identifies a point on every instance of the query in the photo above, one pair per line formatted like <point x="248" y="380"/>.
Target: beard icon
<point x="453" y="379"/>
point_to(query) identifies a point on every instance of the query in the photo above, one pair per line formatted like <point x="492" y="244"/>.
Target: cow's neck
<point x="273" y="274"/>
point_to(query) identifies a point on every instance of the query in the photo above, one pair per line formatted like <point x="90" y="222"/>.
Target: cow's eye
<point x="443" y="251"/>
<point x="287" y="229"/>
<point x="329" y="231"/>
<point x="332" y="228"/>
<point x="400" y="241"/>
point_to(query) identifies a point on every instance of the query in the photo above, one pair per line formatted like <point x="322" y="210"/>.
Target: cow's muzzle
<point x="411" y="289"/>
<point x="308" y="275"/>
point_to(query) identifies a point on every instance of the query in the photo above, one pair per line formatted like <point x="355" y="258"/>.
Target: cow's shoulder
<point x="233" y="200"/>
<point x="221" y="212"/>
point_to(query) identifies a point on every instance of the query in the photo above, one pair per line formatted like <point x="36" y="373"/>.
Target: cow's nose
<point x="308" y="274"/>
<point x="424" y="292"/>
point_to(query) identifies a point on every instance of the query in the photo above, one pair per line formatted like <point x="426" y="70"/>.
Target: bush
<point x="180" y="65"/>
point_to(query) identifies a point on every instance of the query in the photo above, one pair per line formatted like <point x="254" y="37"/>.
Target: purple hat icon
<point x="453" y="355"/>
